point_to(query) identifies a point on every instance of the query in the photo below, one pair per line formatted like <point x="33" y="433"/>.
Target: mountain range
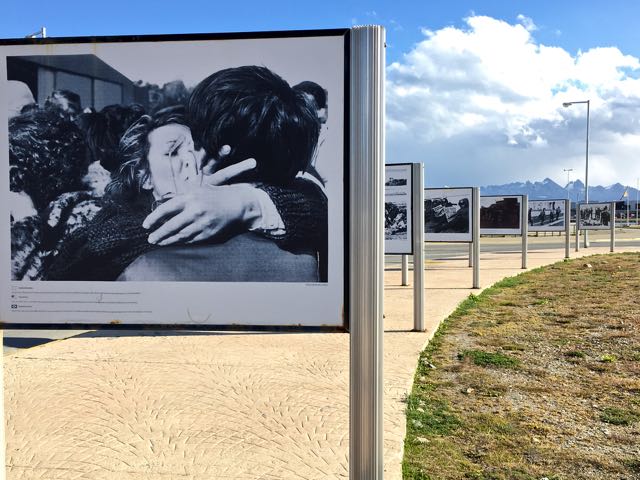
<point x="547" y="188"/>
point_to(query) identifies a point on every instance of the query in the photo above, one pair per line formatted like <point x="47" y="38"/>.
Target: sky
<point x="474" y="89"/>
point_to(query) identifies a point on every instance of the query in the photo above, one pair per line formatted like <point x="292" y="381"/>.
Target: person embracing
<point x="258" y="136"/>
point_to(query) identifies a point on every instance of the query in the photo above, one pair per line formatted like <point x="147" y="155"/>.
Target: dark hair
<point x="58" y="98"/>
<point x="318" y="93"/>
<point x="260" y="116"/>
<point x="133" y="150"/>
<point x="104" y="129"/>
<point x="47" y="156"/>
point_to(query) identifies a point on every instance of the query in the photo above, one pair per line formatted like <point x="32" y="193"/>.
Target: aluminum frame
<point x="612" y="246"/>
<point x="418" y="248"/>
<point x="366" y="386"/>
<point x="524" y="225"/>
<point x="475" y="252"/>
<point x="567" y="229"/>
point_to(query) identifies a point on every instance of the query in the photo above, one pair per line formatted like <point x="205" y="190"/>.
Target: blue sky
<point x="488" y="131"/>
<point x="571" y="24"/>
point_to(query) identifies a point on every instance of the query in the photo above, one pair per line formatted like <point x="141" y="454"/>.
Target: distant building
<point x="97" y="83"/>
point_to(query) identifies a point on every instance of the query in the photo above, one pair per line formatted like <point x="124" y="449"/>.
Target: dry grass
<point x="536" y="377"/>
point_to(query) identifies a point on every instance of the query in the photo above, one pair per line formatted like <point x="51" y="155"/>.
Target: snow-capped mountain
<point x="544" y="189"/>
<point x="550" y="189"/>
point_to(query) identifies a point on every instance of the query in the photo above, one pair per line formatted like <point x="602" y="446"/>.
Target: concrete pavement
<point x="220" y="405"/>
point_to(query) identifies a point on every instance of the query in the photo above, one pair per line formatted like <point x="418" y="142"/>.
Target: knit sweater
<point x="102" y="249"/>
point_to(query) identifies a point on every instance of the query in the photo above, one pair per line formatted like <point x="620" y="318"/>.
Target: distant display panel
<point x="501" y="215"/>
<point x="448" y="214"/>
<point x="546" y="215"/>
<point x="398" y="211"/>
<point x="594" y="216"/>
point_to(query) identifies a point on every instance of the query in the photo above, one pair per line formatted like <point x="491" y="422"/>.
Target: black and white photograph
<point x="447" y="214"/>
<point x="594" y="216"/>
<point x="546" y="215"/>
<point x="395" y="221"/>
<point x="501" y="215"/>
<point x="395" y="182"/>
<point x="398" y="212"/>
<point x="215" y="162"/>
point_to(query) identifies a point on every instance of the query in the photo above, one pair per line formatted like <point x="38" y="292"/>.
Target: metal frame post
<point x="586" y="173"/>
<point x="567" y="228"/>
<point x="366" y="253"/>
<point x="418" y="246"/>
<point x="3" y="441"/>
<point x="525" y="230"/>
<point x="577" y="227"/>
<point x="628" y="211"/>
<point x="613" y="227"/>
<point x="475" y="226"/>
<point x="637" y="202"/>
<point x="471" y="254"/>
<point x="405" y="270"/>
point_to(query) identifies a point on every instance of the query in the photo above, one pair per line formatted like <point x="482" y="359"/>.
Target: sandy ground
<point x="219" y="405"/>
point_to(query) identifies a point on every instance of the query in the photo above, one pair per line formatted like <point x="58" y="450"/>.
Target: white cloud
<point x="527" y="22"/>
<point x="483" y="104"/>
<point x="395" y="26"/>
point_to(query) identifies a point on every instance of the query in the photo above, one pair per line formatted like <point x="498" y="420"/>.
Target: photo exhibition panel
<point x="398" y="214"/>
<point x="175" y="180"/>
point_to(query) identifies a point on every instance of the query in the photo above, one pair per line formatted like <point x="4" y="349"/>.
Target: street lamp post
<point x="568" y="170"/>
<point x="586" y="171"/>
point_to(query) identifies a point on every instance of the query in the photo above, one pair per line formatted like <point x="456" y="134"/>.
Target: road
<point x="19" y="339"/>
<point x="442" y="251"/>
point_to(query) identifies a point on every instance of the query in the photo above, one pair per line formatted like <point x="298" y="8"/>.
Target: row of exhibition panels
<point x="448" y="213"/>
<point x="347" y="253"/>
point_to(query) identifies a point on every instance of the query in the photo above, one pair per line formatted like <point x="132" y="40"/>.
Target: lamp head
<point x="567" y="104"/>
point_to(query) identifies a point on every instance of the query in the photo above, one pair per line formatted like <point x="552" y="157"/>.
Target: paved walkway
<point x="218" y="405"/>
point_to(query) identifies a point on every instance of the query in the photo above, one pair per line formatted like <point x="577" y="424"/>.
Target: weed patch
<point x="619" y="416"/>
<point x="575" y="354"/>
<point x="489" y="359"/>
<point x="431" y="417"/>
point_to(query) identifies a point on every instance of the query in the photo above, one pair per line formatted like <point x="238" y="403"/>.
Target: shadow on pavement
<point x="24" y="342"/>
